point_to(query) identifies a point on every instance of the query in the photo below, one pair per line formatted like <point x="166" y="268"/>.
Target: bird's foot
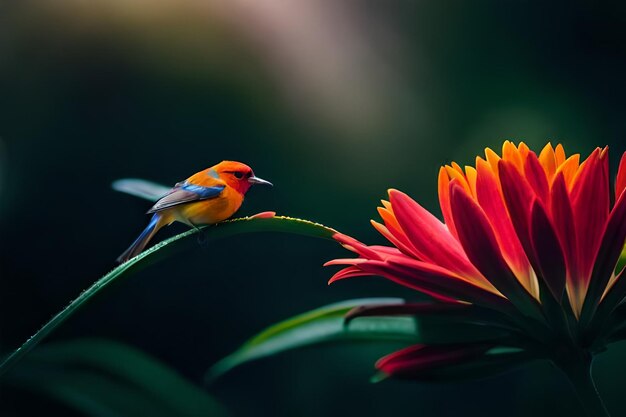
<point x="202" y="238"/>
<point x="201" y="235"/>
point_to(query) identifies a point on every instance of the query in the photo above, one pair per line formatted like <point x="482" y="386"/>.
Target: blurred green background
<point x="334" y="102"/>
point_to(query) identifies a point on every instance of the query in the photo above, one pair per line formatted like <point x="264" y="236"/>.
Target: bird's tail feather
<point x="140" y="243"/>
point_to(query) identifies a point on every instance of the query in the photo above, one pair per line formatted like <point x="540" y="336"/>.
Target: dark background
<point x="334" y="102"/>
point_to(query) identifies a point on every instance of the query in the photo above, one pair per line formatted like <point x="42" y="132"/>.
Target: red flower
<point x="533" y="239"/>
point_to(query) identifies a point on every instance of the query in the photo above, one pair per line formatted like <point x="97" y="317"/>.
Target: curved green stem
<point x="579" y="374"/>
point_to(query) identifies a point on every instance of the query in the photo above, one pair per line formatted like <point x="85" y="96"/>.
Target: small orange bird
<point x="207" y="197"/>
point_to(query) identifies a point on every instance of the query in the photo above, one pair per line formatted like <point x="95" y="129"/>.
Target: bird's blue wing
<point x="203" y="192"/>
<point x="186" y="193"/>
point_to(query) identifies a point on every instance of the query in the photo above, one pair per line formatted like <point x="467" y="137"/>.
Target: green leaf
<point x="327" y="324"/>
<point x="321" y="325"/>
<point x="167" y="248"/>
<point x="104" y="378"/>
<point x="335" y="310"/>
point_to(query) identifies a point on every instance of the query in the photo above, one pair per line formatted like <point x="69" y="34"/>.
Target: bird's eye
<point x="238" y="175"/>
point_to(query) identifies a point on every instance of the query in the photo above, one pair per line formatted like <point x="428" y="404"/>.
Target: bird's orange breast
<point x="212" y="210"/>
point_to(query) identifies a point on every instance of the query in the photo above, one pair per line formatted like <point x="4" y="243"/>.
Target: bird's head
<point x="238" y="175"/>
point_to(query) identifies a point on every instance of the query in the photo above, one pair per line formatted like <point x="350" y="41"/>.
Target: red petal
<point x="608" y="255"/>
<point x="590" y="204"/>
<point x="399" y="240"/>
<point x="397" y="362"/>
<point x="355" y="246"/>
<point x="620" y="180"/>
<point x="519" y="199"/>
<point x="536" y="177"/>
<point x="429" y="236"/>
<point x="490" y="199"/>
<point x="563" y="220"/>
<point x="386" y="250"/>
<point x="345" y="261"/>
<point x="410" y="361"/>
<point x="548" y="251"/>
<point x="481" y="246"/>
<point x="349" y="272"/>
<point x="395" y="230"/>
<point x="432" y="283"/>
<point x="435" y="281"/>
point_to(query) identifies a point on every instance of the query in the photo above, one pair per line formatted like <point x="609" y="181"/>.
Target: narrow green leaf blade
<point x="334" y="310"/>
<point x="321" y="325"/>
<point x="167" y="248"/>
<point x="102" y="377"/>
